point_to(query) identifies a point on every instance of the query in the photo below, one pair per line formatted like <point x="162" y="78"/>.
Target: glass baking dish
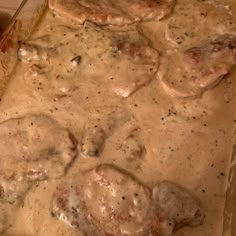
<point x="20" y="28"/>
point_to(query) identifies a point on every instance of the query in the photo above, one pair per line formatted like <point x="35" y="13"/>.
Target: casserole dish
<point x="23" y="25"/>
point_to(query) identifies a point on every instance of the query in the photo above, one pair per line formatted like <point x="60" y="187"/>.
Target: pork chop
<point x="190" y="73"/>
<point x="132" y="148"/>
<point x="96" y="132"/>
<point x="98" y="129"/>
<point x="139" y="65"/>
<point x="178" y="204"/>
<point x="123" y="61"/>
<point x="108" y="201"/>
<point x="184" y="29"/>
<point x="112" y="12"/>
<point x="39" y="146"/>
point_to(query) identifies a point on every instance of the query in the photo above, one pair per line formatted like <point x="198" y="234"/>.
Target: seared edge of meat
<point x="108" y="200"/>
<point x="199" y="68"/>
<point x="110" y="12"/>
<point x="42" y="149"/>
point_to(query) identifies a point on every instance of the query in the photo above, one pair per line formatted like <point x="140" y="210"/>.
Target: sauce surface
<point x="188" y="142"/>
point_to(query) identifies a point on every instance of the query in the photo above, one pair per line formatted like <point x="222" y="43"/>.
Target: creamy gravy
<point x="188" y="142"/>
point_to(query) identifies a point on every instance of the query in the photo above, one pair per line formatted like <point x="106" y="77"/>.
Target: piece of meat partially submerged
<point x="108" y="201"/>
<point x="204" y="14"/>
<point x="32" y="148"/>
<point x="97" y="130"/>
<point x="138" y="62"/>
<point x="112" y="12"/>
<point x="132" y="147"/>
<point x="190" y="73"/>
<point x="122" y="61"/>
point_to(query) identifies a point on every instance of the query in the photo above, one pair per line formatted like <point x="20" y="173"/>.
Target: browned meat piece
<point x="102" y="199"/>
<point x="108" y="201"/>
<point x="204" y="14"/>
<point x="112" y="12"/>
<point x="190" y="73"/>
<point x="43" y="54"/>
<point x="98" y="130"/>
<point x="132" y="148"/>
<point x="178" y="205"/>
<point x="41" y="148"/>
<point x="37" y="77"/>
<point x="13" y="188"/>
<point x="139" y="62"/>
<point x="122" y="61"/>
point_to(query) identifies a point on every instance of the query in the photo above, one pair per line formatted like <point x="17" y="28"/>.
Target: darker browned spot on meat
<point x="192" y="55"/>
<point x="112" y="12"/>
